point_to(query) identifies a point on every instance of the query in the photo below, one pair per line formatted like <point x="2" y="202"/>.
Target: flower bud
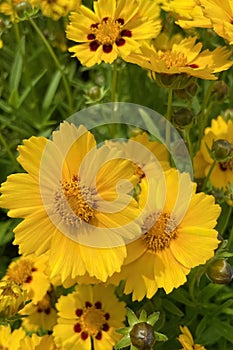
<point x="173" y="81"/>
<point x="142" y="336"/>
<point x="221" y="149"/>
<point x="23" y="8"/>
<point x="12" y="298"/>
<point x="183" y="118"/>
<point x="219" y="271"/>
<point x="94" y="92"/>
<point x="221" y="89"/>
<point x="188" y="92"/>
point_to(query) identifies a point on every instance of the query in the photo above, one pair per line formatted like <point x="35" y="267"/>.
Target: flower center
<point x="160" y="234"/>
<point x="21" y="272"/>
<point x="79" y="199"/>
<point x="92" y="321"/>
<point x="173" y="59"/>
<point x="80" y="202"/>
<point x="3" y="347"/>
<point x="106" y="33"/>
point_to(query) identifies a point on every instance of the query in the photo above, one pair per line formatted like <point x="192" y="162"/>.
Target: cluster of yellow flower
<point x="96" y="216"/>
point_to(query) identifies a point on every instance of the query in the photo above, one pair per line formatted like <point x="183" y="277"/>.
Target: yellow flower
<point x="30" y="273"/>
<point x="12" y="298"/>
<point x="114" y="29"/>
<point x="89" y="314"/>
<point x="220" y="17"/>
<point x="179" y="235"/>
<point x="70" y="204"/>
<point x="39" y="315"/>
<point x="186" y="340"/>
<point x="222" y="172"/>
<point x="189" y="14"/>
<point x="184" y="58"/>
<point x="10" y="341"/>
<point x="38" y="343"/>
<point x="58" y="8"/>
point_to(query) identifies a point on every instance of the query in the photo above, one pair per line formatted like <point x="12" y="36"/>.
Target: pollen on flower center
<point x="107" y="31"/>
<point x="174" y="59"/>
<point x="77" y="197"/>
<point x="159" y="236"/>
<point x="21" y="272"/>
<point x="92" y="320"/>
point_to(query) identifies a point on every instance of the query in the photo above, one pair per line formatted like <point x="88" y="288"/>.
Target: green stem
<point x="189" y="143"/>
<point x="114" y="82"/>
<point x="208" y="175"/>
<point x="168" y="117"/>
<point x="224" y="218"/>
<point x="10" y="154"/>
<point x="230" y="239"/>
<point x="57" y="63"/>
<point x="113" y="97"/>
<point x="203" y="115"/>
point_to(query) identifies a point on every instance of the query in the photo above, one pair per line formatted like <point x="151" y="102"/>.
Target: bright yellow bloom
<point x="12" y="298"/>
<point x="41" y="314"/>
<point x="222" y="172"/>
<point x="38" y="343"/>
<point x="10" y="341"/>
<point x="57" y="8"/>
<point x="114" y="29"/>
<point x="186" y="340"/>
<point x="221" y="17"/>
<point x="189" y="14"/>
<point x="89" y="313"/>
<point x="71" y="205"/>
<point x="178" y="235"/>
<point x="30" y="273"/>
<point x="184" y="58"/>
<point x="1" y="43"/>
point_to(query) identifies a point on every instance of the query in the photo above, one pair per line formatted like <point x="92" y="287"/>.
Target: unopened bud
<point x="221" y="89"/>
<point x="94" y="93"/>
<point x="219" y="271"/>
<point x="183" y="118"/>
<point x="142" y="336"/>
<point x="221" y="149"/>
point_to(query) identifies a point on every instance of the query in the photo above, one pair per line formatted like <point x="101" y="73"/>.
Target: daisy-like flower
<point x="89" y="314"/>
<point x="178" y="235"/>
<point x="183" y="60"/>
<point x="57" y="8"/>
<point x="114" y="29"/>
<point x="222" y="173"/>
<point x="186" y="340"/>
<point x="30" y="274"/>
<point x="39" y="315"/>
<point x="74" y="206"/>
<point x="10" y="340"/>
<point x="12" y="299"/>
<point x="38" y="343"/>
<point x="220" y="16"/>
<point x="189" y="14"/>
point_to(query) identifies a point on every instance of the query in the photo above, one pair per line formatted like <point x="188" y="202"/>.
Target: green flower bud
<point x="221" y="149"/>
<point x="142" y="336"/>
<point x="188" y="92"/>
<point x="221" y="89"/>
<point x="23" y="8"/>
<point x="183" y="118"/>
<point x="219" y="271"/>
<point x="172" y="81"/>
<point x="94" y="93"/>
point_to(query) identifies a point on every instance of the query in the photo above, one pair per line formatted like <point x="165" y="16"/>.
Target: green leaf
<point x="182" y="296"/>
<point x="123" y="342"/>
<point x="17" y="67"/>
<point x="153" y="318"/>
<point x="160" y="336"/>
<point x="223" y="328"/>
<point x="172" y="308"/>
<point x="14" y="98"/>
<point x="132" y="318"/>
<point x="29" y="88"/>
<point x="150" y="124"/>
<point x="6" y="235"/>
<point x="124" y="330"/>
<point x="52" y="88"/>
<point x="209" y="291"/>
<point x="143" y="316"/>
